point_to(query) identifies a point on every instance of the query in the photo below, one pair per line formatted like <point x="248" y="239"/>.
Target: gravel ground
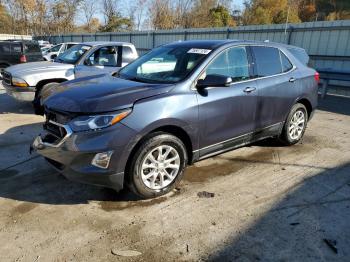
<point x="271" y="203"/>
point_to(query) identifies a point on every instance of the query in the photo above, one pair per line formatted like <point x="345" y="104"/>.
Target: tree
<point x="220" y="17"/>
<point x="270" y="12"/>
<point x="89" y="9"/>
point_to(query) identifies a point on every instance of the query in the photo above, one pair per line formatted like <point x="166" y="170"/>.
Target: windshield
<point x="73" y="54"/>
<point x="164" y="65"/>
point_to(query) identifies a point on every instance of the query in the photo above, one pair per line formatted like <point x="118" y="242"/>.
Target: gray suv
<point x="178" y="104"/>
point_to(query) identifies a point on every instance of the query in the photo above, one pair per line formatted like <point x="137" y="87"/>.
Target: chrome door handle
<point x="249" y="89"/>
<point x="292" y="79"/>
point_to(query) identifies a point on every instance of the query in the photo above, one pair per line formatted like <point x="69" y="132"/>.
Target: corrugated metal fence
<point x="327" y="43"/>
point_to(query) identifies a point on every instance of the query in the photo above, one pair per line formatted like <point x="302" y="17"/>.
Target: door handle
<point x="249" y="89"/>
<point x="292" y="79"/>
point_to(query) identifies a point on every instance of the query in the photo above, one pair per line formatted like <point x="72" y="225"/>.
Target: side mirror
<point x="53" y="56"/>
<point x="214" y="80"/>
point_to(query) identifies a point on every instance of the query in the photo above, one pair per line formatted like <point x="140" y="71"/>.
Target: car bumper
<point x="73" y="156"/>
<point x="20" y="93"/>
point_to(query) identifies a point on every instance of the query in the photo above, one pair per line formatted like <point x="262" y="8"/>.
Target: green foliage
<point x="117" y="23"/>
<point x="220" y="17"/>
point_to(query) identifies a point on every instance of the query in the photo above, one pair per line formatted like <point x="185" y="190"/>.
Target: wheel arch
<point x="41" y="83"/>
<point x="307" y="104"/>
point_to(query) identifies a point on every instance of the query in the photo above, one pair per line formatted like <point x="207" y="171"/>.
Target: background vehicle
<point x="56" y="50"/>
<point x="44" y="44"/>
<point x="26" y="82"/>
<point x="13" y="52"/>
<point x="144" y="126"/>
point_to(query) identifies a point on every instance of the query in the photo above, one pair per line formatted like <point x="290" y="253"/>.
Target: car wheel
<point x="157" y="165"/>
<point x="2" y="67"/>
<point x="38" y="108"/>
<point x="295" y="125"/>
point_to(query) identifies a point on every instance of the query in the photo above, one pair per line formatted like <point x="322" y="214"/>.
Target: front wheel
<point x="38" y="107"/>
<point x="157" y="166"/>
<point x="295" y="125"/>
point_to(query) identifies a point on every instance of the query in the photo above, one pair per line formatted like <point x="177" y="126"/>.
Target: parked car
<point x="14" y="52"/>
<point x="56" y="50"/>
<point x="27" y="82"/>
<point x="44" y="44"/>
<point x="142" y="129"/>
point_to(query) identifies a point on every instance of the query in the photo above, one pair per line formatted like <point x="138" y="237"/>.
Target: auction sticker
<point x="199" y="51"/>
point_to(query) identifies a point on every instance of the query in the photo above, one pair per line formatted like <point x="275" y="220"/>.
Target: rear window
<point x="300" y="54"/>
<point x="31" y="48"/>
<point x="268" y="61"/>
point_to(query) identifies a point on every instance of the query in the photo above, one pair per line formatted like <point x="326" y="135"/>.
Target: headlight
<point x="84" y="123"/>
<point x="16" y="81"/>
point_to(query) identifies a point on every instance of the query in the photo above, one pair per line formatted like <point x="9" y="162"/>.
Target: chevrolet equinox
<point x="175" y="105"/>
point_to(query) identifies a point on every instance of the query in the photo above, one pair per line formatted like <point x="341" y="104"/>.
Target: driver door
<point x="227" y="113"/>
<point x="101" y="61"/>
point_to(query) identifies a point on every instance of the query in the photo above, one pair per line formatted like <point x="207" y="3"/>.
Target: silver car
<point x="26" y="82"/>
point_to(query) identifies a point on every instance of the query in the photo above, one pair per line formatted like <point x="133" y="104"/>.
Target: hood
<point x="98" y="94"/>
<point x="36" y="67"/>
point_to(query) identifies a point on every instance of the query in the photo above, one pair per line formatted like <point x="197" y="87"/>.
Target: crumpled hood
<point x="37" y="67"/>
<point x="98" y="94"/>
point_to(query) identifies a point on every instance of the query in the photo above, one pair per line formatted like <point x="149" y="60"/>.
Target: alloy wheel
<point x="296" y="125"/>
<point x="160" y="167"/>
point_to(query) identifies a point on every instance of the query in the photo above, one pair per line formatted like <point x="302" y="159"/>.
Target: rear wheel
<point x="38" y="108"/>
<point x="2" y="67"/>
<point x="157" y="166"/>
<point x="295" y="125"/>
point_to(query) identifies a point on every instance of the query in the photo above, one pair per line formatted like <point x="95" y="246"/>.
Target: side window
<point x="16" y="48"/>
<point x="286" y="64"/>
<point x="105" y="56"/>
<point x="5" y="47"/>
<point x="231" y="63"/>
<point x="56" y="48"/>
<point x="267" y="60"/>
<point x="127" y="54"/>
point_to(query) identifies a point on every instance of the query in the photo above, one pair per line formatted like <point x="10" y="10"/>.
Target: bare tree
<point x="89" y="9"/>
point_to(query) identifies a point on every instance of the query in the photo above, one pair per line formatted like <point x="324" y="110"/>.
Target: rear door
<point x="101" y="61"/>
<point x="277" y="82"/>
<point x="32" y="51"/>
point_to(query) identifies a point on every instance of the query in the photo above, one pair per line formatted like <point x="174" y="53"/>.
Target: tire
<point x="2" y="67"/>
<point x="38" y="108"/>
<point x="153" y="186"/>
<point x="293" y="132"/>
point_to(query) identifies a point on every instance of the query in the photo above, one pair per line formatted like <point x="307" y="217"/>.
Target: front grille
<point x="54" y="122"/>
<point x="6" y="77"/>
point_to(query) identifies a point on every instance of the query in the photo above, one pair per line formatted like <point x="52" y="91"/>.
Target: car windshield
<point x="164" y="65"/>
<point x="73" y="54"/>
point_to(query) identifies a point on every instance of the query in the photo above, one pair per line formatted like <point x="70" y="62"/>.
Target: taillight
<point x="317" y="77"/>
<point x="23" y="59"/>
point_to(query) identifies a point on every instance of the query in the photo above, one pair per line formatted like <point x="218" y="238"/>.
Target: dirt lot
<point x="271" y="203"/>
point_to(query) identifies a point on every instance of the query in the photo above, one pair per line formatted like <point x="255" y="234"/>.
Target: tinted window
<point x="286" y="64"/>
<point x="72" y="55"/>
<point x="32" y="48"/>
<point x="128" y="55"/>
<point x="70" y="45"/>
<point x="231" y="63"/>
<point x="105" y="56"/>
<point x="16" y="48"/>
<point x="267" y="60"/>
<point x="5" y="47"/>
<point x="300" y="54"/>
<point x="56" y="48"/>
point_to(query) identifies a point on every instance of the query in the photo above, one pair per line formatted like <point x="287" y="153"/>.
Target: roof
<point x="96" y="43"/>
<point x="213" y="44"/>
